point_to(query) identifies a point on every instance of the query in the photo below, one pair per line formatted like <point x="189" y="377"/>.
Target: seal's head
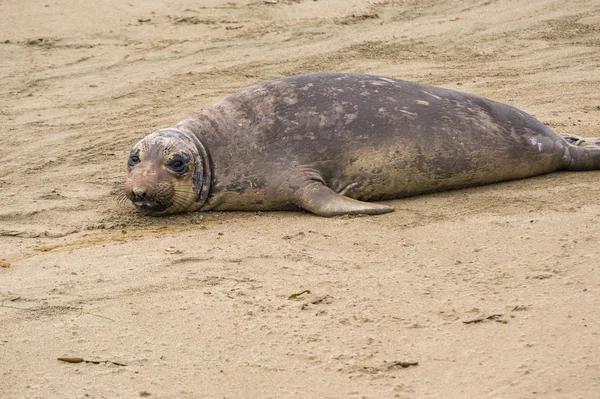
<point x="169" y="172"/>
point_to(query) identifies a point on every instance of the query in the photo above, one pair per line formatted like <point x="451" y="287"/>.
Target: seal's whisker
<point x="122" y="199"/>
<point x="179" y="200"/>
<point x="182" y="193"/>
<point x="177" y="197"/>
<point x="183" y="190"/>
<point x="185" y="194"/>
<point x="178" y="204"/>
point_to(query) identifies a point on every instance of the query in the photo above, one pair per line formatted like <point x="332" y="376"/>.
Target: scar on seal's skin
<point x="329" y="143"/>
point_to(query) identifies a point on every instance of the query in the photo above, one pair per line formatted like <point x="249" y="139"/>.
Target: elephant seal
<point x="328" y="142"/>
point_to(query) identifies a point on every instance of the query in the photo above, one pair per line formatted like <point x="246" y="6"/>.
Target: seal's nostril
<point x="140" y="192"/>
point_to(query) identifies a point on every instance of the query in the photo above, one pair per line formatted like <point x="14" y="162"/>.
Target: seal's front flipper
<point x="321" y="200"/>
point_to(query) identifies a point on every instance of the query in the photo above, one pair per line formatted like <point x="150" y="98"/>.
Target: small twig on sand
<point x="402" y="364"/>
<point x="491" y="317"/>
<point x="97" y="315"/>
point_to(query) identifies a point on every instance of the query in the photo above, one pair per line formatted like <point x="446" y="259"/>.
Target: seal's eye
<point x="133" y="160"/>
<point x="177" y="164"/>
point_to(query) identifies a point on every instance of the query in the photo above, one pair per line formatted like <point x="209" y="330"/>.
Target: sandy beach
<point x="490" y="292"/>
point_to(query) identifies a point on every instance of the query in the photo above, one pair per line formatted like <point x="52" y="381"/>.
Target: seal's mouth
<point x="150" y="206"/>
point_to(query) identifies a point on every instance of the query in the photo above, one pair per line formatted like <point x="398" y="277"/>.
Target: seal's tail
<point x="584" y="153"/>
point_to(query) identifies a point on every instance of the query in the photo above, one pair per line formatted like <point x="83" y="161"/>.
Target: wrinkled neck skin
<point x="202" y="178"/>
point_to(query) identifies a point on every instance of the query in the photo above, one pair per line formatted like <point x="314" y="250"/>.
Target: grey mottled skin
<point x="296" y="142"/>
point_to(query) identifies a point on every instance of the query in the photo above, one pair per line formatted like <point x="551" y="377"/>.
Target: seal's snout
<point x="147" y="198"/>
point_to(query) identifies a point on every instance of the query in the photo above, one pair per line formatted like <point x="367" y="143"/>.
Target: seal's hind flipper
<point x="582" y="141"/>
<point x="321" y="200"/>
<point x="583" y="153"/>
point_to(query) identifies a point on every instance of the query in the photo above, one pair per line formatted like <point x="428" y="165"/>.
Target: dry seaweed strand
<point x="82" y="360"/>
<point x="298" y="294"/>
